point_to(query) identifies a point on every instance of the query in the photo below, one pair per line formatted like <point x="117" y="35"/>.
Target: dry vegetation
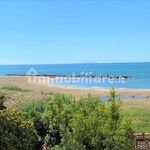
<point x="15" y="98"/>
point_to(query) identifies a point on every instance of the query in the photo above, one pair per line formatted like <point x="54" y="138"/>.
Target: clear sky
<point x="74" y="31"/>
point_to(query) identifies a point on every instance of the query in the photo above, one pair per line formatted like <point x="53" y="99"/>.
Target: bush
<point x="2" y="100"/>
<point x="87" y="124"/>
<point x="15" y="133"/>
<point x="49" y="117"/>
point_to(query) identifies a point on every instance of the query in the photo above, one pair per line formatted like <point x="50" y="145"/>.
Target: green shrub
<point x="47" y="118"/>
<point x="2" y="100"/>
<point x="16" y="134"/>
<point x="87" y="124"/>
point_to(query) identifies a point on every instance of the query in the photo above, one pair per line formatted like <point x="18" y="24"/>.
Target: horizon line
<point x="73" y="63"/>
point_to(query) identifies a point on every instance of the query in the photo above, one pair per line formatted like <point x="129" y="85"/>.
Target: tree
<point x="97" y="126"/>
<point x="15" y="133"/>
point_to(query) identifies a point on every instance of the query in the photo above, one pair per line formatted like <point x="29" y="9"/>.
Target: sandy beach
<point x="77" y="92"/>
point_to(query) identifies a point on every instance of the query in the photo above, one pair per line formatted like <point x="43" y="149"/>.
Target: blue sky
<point x="74" y="31"/>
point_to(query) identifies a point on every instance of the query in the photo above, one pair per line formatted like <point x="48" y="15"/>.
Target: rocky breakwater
<point x="77" y="76"/>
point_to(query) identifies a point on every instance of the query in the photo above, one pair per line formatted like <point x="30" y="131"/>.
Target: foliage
<point x="15" y="88"/>
<point x="87" y="124"/>
<point x="15" y="133"/>
<point x="49" y="118"/>
<point x="2" y="100"/>
<point x="140" y="115"/>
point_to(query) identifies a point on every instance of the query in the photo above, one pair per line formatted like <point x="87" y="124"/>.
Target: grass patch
<point x="140" y="118"/>
<point x="15" y="88"/>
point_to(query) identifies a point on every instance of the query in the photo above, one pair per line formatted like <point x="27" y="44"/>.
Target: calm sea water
<point x="140" y="73"/>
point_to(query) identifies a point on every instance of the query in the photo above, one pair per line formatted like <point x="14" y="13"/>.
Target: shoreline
<point x="72" y="90"/>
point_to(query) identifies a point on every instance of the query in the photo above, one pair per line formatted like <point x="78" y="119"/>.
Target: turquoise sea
<point x="139" y="72"/>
